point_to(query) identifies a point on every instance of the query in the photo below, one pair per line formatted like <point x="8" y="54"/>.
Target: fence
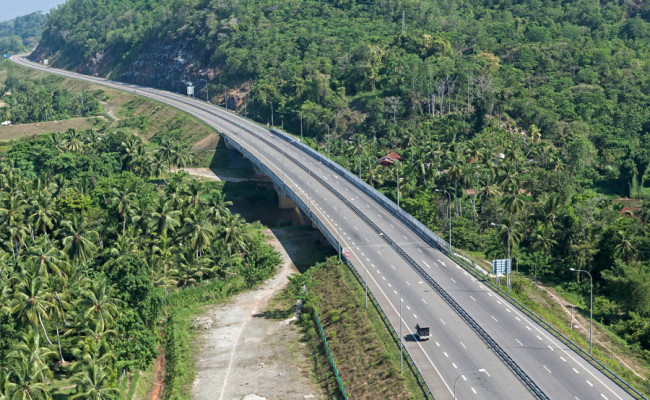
<point x="329" y="354"/>
<point x="393" y="333"/>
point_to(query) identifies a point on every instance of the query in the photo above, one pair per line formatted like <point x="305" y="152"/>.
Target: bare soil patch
<point x="13" y="132"/>
<point x="244" y="354"/>
<point x="209" y="142"/>
<point x="599" y="337"/>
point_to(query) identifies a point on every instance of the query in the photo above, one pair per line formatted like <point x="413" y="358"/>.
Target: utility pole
<point x="403" y="22"/>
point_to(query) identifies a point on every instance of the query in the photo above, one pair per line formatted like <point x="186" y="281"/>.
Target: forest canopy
<point x="19" y="33"/>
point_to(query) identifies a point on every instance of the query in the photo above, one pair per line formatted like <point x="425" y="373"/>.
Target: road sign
<point x="6" y="55"/>
<point x="347" y="254"/>
<point x="501" y="266"/>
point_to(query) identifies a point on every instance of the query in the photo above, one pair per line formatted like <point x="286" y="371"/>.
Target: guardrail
<point x="329" y="354"/>
<point x="393" y="333"/>
<point x="557" y="334"/>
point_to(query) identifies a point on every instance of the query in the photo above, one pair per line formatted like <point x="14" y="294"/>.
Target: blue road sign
<point x="501" y="266"/>
<point x="6" y="55"/>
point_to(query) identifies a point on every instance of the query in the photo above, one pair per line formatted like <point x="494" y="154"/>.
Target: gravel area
<point x="243" y="355"/>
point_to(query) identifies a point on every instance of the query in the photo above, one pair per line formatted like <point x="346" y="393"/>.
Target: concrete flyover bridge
<point x="483" y="344"/>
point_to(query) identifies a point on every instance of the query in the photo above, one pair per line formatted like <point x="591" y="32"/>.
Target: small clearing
<point x="244" y="355"/>
<point x="208" y="174"/>
<point x="13" y="132"/>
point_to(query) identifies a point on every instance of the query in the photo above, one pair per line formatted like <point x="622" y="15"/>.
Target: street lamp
<point x="225" y="93"/>
<point x="509" y="266"/>
<point x="300" y="114"/>
<point x="207" y="90"/>
<point x="270" y="102"/>
<point x="478" y="371"/>
<point x="591" y="306"/>
<point x="401" y="342"/>
<point x="328" y="137"/>
<point x="397" y="180"/>
<point x="448" y="214"/>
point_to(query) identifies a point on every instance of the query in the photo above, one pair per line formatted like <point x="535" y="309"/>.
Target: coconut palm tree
<point x="78" y="240"/>
<point x="31" y="299"/>
<point x="130" y="149"/>
<point x="513" y="202"/>
<point x="122" y="202"/>
<point x="74" y="140"/>
<point x="192" y="269"/>
<point x="25" y="380"/>
<point x="233" y="234"/>
<point x="60" y="299"/>
<point x="43" y="214"/>
<point x="164" y="254"/>
<point x="217" y="206"/>
<point x="97" y="303"/>
<point x="164" y="218"/>
<point x="624" y="247"/>
<point x="195" y="195"/>
<point x="94" y="383"/>
<point x="29" y="345"/>
<point x="48" y="257"/>
<point x="199" y="232"/>
<point x="167" y="153"/>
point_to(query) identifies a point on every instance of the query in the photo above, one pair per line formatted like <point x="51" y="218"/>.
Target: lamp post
<point x="591" y="305"/>
<point x="328" y="137"/>
<point x="270" y="102"/>
<point x="225" y="93"/>
<point x="448" y="214"/>
<point x="509" y="266"/>
<point x="401" y="342"/>
<point x="397" y="180"/>
<point x="299" y="114"/>
<point x="207" y="90"/>
<point x="478" y="371"/>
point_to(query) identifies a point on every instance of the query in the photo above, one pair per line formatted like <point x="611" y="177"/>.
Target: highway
<point x="366" y="230"/>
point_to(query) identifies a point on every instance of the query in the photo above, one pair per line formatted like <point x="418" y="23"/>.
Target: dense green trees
<point x="39" y="100"/>
<point x="16" y="35"/>
<point x="87" y="256"/>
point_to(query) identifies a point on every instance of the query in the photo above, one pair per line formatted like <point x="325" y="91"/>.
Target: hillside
<point x="533" y="115"/>
<point x="21" y="33"/>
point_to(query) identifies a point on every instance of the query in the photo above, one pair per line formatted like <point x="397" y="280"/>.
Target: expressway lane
<point x="454" y="347"/>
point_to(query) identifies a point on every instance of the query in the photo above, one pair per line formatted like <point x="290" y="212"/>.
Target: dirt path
<point x="159" y="383"/>
<point x="582" y="325"/>
<point x="245" y="355"/>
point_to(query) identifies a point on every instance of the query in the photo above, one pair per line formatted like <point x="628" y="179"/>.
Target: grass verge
<point x="365" y="353"/>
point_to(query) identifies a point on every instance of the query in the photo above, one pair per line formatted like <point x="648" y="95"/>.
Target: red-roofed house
<point x="389" y="159"/>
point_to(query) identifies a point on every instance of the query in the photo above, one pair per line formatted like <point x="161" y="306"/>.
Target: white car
<point x="6" y="123"/>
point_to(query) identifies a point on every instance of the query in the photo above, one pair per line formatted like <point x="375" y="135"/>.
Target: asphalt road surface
<point x="454" y="355"/>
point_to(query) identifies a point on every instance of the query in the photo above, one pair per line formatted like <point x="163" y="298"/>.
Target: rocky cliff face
<point x="168" y="65"/>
